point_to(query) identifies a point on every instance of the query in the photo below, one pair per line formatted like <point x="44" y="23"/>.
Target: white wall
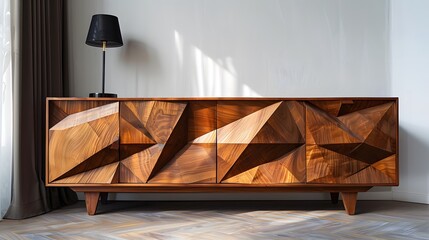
<point x="410" y="81"/>
<point x="237" y="48"/>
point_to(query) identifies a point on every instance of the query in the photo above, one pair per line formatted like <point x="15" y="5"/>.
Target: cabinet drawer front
<point x="260" y="142"/>
<point x="83" y="142"/>
<point x="168" y="142"/>
<point x="352" y="142"/>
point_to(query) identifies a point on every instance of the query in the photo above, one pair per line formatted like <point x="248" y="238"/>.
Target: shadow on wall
<point x="413" y="162"/>
<point x="140" y="58"/>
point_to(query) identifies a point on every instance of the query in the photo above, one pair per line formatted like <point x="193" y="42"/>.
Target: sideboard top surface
<point x="224" y="98"/>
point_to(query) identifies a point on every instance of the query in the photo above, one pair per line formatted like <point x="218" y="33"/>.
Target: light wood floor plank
<point x="226" y="220"/>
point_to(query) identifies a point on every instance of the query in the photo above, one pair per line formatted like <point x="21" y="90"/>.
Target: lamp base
<point x="103" y="95"/>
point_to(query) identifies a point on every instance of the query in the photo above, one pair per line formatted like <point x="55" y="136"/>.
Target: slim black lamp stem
<point x="104" y="63"/>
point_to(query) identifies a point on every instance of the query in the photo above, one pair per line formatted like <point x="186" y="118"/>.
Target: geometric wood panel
<point x="255" y="141"/>
<point x="58" y="110"/>
<point x="84" y="144"/>
<point x="168" y="142"/>
<point x="260" y="142"/>
<point x="351" y="142"/>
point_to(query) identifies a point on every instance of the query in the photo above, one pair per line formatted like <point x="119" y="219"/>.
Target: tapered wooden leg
<point x="91" y="200"/>
<point x="349" y="201"/>
<point x="334" y="197"/>
<point x="103" y="197"/>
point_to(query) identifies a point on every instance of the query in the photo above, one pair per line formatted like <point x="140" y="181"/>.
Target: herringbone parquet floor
<point x="227" y="220"/>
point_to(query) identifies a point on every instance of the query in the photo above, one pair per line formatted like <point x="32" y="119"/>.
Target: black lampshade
<point x="104" y="28"/>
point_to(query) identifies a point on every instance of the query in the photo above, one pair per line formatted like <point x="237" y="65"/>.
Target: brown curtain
<point x="43" y="73"/>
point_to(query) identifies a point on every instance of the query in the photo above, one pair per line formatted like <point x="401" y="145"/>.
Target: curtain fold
<point x="6" y="112"/>
<point x="43" y="73"/>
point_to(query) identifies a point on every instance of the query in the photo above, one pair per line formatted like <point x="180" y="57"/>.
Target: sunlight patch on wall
<point x="249" y="92"/>
<point x="178" y="41"/>
<point x="215" y="78"/>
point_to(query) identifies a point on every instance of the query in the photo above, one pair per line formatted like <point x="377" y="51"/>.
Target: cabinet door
<point x="168" y="142"/>
<point x="351" y="142"/>
<point x="260" y="142"/>
<point x="83" y="141"/>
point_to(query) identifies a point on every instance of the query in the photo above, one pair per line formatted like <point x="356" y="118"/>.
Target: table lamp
<point x="104" y="32"/>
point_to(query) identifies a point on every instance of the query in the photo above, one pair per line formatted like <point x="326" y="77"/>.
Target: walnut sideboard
<point x="336" y="145"/>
